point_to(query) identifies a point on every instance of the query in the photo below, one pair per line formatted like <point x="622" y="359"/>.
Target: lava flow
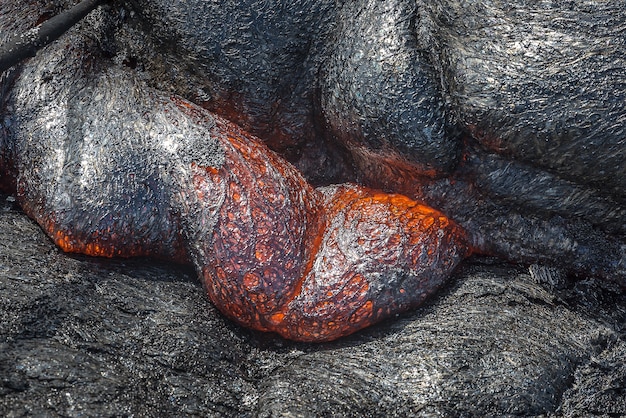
<point x="274" y="253"/>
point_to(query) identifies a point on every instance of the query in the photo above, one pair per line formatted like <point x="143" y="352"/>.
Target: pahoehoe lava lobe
<point x="274" y="253"/>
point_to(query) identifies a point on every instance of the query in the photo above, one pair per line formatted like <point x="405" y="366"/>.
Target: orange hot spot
<point x="277" y="318"/>
<point x="363" y="313"/>
<point x="251" y="280"/>
<point x="93" y="248"/>
<point x="63" y="241"/>
<point x="105" y="244"/>
<point x="372" y="244"/>
<point x="263" y="253"/>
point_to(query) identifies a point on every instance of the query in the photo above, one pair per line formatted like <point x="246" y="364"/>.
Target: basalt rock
<point x="110" y="166"/>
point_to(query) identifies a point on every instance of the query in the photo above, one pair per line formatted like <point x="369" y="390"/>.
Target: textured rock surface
<point x="85" y="336"/>
<point x="100" y="337"/>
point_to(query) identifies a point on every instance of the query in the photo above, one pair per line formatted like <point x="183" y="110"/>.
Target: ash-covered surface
<point x="96" y="337"/>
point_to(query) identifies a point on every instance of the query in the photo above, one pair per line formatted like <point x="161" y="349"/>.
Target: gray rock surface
<point x="82" y="336"/>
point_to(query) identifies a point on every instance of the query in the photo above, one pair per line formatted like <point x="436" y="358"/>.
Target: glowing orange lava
<point x="276" y="254"/>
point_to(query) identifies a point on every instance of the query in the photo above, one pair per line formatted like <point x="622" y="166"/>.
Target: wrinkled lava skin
<point x="115" y="140"/>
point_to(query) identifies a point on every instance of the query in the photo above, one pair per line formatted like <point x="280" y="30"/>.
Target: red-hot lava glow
<point x="276" y="254"/>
